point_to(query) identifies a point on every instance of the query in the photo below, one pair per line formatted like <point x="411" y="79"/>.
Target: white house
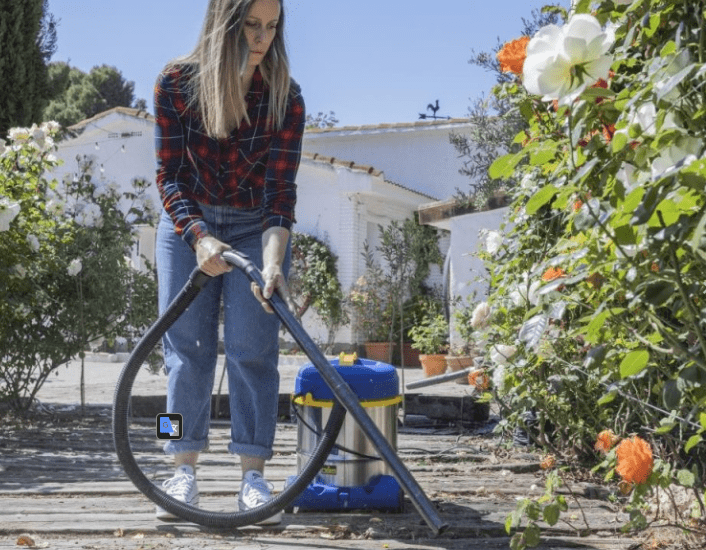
<point x="340" y="200"/>
<point x="418" y="155"/>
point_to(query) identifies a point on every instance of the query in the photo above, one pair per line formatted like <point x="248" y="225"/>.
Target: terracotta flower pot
<point x="433" y="365"/>
<point x="378" y="351"/>
<point x="411" y="355"/>
<point x="457" y="363"/>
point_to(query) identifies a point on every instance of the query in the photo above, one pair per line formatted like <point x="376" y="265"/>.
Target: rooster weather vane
<point x="433" y="109"/>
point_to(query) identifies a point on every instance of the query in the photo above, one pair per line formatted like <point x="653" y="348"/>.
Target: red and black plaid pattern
<point x="255" y="167"/>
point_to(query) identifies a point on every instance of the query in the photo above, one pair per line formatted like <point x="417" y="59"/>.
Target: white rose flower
<point x="51" y="126"/>
<point x="493" y="242"/>
<point x="55" y="207"/>
<point x="33" y="242"/>
<point x="38" y="134"/>
<point x="75" y="267"/>
<point x="19" y="134"/>
<point x="481" y="316"/>
<point x="2" y="147"/>
<point x="562" y="61"/>
<point x="8" y="212"/>
<point x="89" y="216"/>
<point x="499" y="377"/>
<point x="19" y="271"/>
<point x="501" y="353"/>
<point x="524" y="294"/>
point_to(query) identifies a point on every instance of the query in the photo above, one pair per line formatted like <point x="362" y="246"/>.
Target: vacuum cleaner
<point x="344" y="399"/>
<point x="354" y="476"/>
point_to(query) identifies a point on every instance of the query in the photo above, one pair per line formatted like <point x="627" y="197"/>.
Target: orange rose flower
<point x="634" y="460"/>
<point x="512" y="55"/>
<point x="605" y="441"/>
<point x="553" y="273"/>
<point x="479" y="379"/>
<point x="548" y="463"/>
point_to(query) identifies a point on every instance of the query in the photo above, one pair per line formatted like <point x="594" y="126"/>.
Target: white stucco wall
<point x="344" y="207"/>
<point x="122" y="148"/>
<point x="418" y="156"/>
<point x="468" y="277"/>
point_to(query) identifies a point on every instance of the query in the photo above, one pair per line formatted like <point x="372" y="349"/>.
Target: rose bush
<point x="608" y="235"/>
<point x="64" y="276"/>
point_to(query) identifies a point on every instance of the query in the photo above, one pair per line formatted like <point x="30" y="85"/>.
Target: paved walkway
<point x="61" y="484"/>
<point x="101" y="373"/>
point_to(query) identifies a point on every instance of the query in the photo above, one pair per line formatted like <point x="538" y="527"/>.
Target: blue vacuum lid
<point x="368" y="379"/>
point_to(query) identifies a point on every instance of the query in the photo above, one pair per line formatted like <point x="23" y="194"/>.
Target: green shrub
<point x="64" y="264"/>
<point x="599" y="281"/>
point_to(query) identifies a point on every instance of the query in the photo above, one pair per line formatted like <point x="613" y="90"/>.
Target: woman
<point x="228" y="140"/>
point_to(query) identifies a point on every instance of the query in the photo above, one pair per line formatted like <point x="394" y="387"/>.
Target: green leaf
<point x="669" y="214"/>
<point x="540" y="198"/>
<point x="674" y="81"/>
<point x="699" y="233"/>
<point x="520" y="137"/>
<point x="532" y="535"/>
<point x="659" y="293"/>
<point x="665" y="428"/>
<point x="533" y="329"/>
<point x="653" y="25"/>
<point x="633" y="363"/>
<point x="671" y="395"/>
<point x="620" y="140"/>
<point x="551" y="514"/>
<point x="692" y="442"/>
<point x="607" y="398"/>
<point x="702" y="419"/>
<point x="542" y="155"/>
<point x="686" y="478"/>
<point x="503" y="167"/>
<point x="668" y="49"/>
<point x="508" y="524"/>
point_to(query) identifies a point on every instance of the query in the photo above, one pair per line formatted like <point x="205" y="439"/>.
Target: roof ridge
<point x="129" y="111"/>
<point x="351" y="165"/>
<point x="389" y="125"/>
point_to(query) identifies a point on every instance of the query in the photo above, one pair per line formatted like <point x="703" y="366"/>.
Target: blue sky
<point x="369" y="61"/>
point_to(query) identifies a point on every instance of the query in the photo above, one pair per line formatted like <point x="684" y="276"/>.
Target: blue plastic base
<point x="383" y="493"/>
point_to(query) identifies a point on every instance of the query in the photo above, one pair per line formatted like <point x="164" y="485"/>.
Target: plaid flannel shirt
<point x="255" y="167"/>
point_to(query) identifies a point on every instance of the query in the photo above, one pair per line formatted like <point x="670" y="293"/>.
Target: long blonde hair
<point x="217" y="62"/>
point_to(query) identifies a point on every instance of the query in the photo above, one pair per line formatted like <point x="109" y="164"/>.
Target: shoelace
<point x="259" y="490"/>
<point x="179" y="485"/>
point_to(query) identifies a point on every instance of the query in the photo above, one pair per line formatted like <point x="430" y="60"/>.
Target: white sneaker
<point x="256" y="491"/>
<point x="182" y="487"/>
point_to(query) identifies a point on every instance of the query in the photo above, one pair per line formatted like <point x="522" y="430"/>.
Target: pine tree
<point x="23" y="86"/>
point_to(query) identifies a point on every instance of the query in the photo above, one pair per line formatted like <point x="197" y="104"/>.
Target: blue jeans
<point x="191" y="344"/>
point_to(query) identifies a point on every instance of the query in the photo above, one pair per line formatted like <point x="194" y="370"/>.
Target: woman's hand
<point x="274" y="247"/>
<point x="274" y="282"/>
<point x="208" y="256"/>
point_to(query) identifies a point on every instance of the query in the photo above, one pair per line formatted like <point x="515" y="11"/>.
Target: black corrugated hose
<point x="344" y="400"/>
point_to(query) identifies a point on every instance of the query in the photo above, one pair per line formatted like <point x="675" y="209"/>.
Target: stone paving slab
<point x="60" y="482"/>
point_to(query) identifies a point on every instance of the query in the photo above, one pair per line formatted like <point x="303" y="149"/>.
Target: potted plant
<point x="431" y="338"/>
<point x="369" y="304"/>
<point x="462" y="353"/>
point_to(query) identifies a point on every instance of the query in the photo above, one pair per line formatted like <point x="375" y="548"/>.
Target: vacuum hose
<point x="345" y="400"/>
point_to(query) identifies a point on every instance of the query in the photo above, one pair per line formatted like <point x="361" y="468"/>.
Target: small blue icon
<point x="169" y="426"/>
